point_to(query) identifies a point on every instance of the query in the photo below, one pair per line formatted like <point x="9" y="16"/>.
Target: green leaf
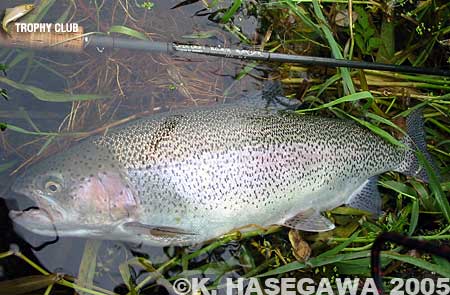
<point x="441" y="261"/>
<point x="368" y="33"/>
<point x="28" y="132"/>
<point x="88" y="265"/>
<point x="374" y="43"/>
<point x="387" y="47"/>
<point x="46" y="144"/>
<point x="339" y="248"/>
<point x="315" y="262"/>
<point x="363" y="17"/>
<point x="348" y="98"/>
<point x="435" y="186"/>
<point x="380" y="132"/>
<point x="424" y="196"/>
<point x="330" y="81"/>
<point x="400" y="188"/>
<point x="128" y="31"/>
<point x="124" y="269"/>
<point x="23" y="55"/>
<point x="335" y="48"/>
<point x="385" y="121"/>
<point x="45" y="95"/>
<point x="302" y="14"/>
<point x="354" y="267"/>
<point x="360" y="42"/>
<point x="414" y="217"/>
<point x="418" y="262"/>
<point x="27" y="284"/>
<point x="358" y="266"/>
<point x="200" y="35"/>
<point x="4" y="93"/>
<point x="147" y="5"/>
<point x="231" y="11"/>
<point x="65" y="15"/>
<point x="6" y="166"/>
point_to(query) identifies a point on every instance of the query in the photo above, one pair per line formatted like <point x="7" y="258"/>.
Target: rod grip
<point x="57" y="41"/>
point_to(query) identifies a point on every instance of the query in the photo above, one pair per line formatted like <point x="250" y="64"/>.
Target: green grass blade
<point x="88" y="265"/>
<point x="45" y="145"/>
<point x="128" y="31"/>
<point x="400" y="188"/>
<point x="348" y="98"/>
<point x="435" y="186"/>
<point x="315" y="262"/>
<point x="6" y="166"/>
<point x="305" y="19"/>
<point x="27" y="284"/>
<point x="414" y="217"/>
<point x="200" y="35"/>
<point x="21" y="56"/>
<point x="335" y="49"/>
<point x="338" y="248"/>
<point x="441" y="261"/>
<point x="231" y="11"/>
<point x="418" y="262"/>
<point x="330" y="81"/>
<point x="49" y="96"/>
<point x="28" y="132"/>
<point x="380" y="132"/>
<point x="385" y="121"/>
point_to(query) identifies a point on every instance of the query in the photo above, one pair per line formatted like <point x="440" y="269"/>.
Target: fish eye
<point x="53" y="187"/>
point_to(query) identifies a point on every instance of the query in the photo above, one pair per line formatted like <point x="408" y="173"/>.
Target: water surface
<point x="135" y="83"/>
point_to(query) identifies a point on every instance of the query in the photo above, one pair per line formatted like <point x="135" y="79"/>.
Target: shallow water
<point x="134" y="82"/>
<point x="137" y="84"/>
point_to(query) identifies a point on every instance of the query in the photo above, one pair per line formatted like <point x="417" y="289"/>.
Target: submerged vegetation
<point x="102" y="90"/>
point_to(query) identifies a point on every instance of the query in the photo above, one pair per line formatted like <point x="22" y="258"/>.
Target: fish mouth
<point x="44" y="211"/>
<point x="32" y="218"/>
<point x="43" y="214"/>
<point x="33" y="214"/>
<point x="40" y="222"/>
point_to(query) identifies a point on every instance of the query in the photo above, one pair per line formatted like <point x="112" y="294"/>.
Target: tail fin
<point x="415" y="140"/>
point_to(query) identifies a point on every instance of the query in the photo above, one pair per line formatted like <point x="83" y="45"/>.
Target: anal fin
<point x="366" y="197"/>
<point x="309" y="220"/>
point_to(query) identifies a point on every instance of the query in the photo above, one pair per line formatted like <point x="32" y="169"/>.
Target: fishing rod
<point x="78" y="42"/>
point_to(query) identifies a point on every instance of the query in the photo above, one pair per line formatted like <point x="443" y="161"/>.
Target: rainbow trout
<point x="185" y="177"/>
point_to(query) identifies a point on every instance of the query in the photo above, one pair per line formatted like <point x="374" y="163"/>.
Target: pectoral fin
<point x="159" y="231"/>
<point x="367" y="197"/>
<point x="309" y="220"/>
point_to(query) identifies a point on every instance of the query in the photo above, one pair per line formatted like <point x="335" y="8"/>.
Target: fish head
<point x="79" y="192"/>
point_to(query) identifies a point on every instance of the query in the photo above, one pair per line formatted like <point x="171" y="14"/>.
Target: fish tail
<point x="415" y="141"/>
